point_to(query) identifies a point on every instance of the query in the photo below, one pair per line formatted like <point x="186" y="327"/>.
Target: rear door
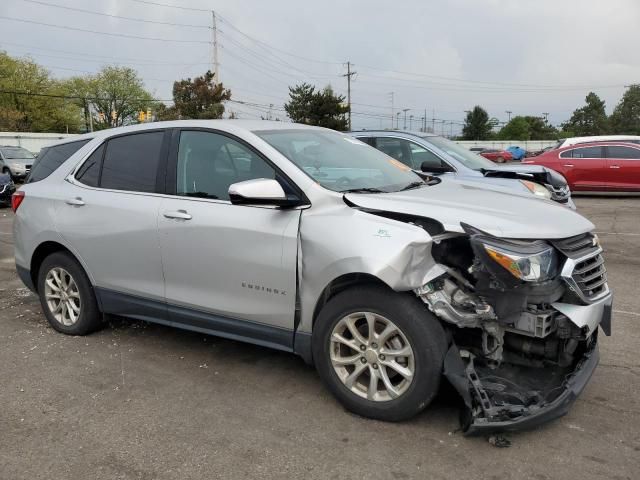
<point x="584" y="168"/>
<point x="108" y="214"/>
<point x="623" y="166"/>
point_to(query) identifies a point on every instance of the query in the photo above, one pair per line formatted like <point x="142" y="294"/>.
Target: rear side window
<point x="51" y="158"/>
<point x="131" y="162"/>
<point x="89" y="172"/>
<point x="586" y="152"/>
<point x="623" y="152"/>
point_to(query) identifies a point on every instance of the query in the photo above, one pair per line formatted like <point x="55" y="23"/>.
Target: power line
<point x="133" y="19"/>
<point x="158" y="4"/>
<point x="111" y="34"/>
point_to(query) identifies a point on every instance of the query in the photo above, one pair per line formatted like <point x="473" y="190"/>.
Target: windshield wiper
<point x="363" y="190"/>
<point x="412" y="185"/>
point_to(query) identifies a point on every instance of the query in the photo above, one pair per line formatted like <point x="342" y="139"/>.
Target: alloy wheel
<point x="372" y="356"/>
<point x="62" y="296"/>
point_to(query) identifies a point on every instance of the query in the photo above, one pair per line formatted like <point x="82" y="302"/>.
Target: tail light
<point x="16" y="200"/>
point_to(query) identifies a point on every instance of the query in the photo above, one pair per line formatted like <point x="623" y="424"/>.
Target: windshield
<point x="464" y="156"/>
<point x="17" y="154"/>
<point x="340" y="162"/>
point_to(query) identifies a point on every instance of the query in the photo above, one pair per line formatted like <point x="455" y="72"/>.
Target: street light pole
<point x="508" y="112"/>
<point x="397" y="120"/>
<point x="405" y="110"/>
<point x="410" y="122"/>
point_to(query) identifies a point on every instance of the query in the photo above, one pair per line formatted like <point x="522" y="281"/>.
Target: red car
<point x="495" y="155"/>
<point x="604" y="167"/>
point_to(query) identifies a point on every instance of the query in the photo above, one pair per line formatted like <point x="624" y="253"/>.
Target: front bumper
<point x="481" y="416"/>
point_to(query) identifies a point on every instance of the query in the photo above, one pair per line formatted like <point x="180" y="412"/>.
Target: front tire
<point x="379" y="352"/>
<point x="66" y="295"/>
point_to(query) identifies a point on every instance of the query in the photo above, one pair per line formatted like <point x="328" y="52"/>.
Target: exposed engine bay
<point x="514" y="354"/>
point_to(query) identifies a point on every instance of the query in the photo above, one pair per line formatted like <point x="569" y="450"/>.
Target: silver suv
<point x="310" y="241"/>
<point x="16" y="161"/>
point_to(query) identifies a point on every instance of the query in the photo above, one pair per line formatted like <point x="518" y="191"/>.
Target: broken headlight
<point x="534" y="262"/>
<point x="537" y="189"/>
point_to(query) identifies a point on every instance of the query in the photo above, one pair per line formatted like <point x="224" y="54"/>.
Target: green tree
<point x="30" y="100"/>
<point x="200" y="98"/>
<point x="516" y="129"/>
<point x="477" y="124"/>
<point x="625" y="118"/>
<point x="590" y="119"/>
<point x="117" y="96"/>
<point x="322" y="108"/>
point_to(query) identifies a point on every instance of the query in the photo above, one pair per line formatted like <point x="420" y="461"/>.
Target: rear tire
<point x="67" y="296"/>
<point x="387" y="385"/>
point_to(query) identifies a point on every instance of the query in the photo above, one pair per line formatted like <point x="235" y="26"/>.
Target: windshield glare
<point x="17" y="154"/>
<point x="340" y="162"/>
<point x="469" y="159"/>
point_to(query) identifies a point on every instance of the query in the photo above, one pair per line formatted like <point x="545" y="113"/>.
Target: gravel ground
<point x="141" y="401"/>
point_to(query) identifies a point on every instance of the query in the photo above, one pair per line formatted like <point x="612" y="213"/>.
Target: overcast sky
<point x="525" y="56"/>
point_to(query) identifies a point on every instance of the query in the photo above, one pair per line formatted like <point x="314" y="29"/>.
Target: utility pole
<point x="391" y="94"/>
<point x="405" y="110"/>
<point x="546" y="114"/>
<point x="349" y="74"/>
<point x="433" y="120"/>
<point x="508" y="112"/>
<point x="216" y="63"/>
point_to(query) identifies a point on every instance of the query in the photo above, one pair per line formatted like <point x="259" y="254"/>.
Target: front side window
<point x="51" y="158"/>
<point x="623" y="152"/>
<point x="339" y="162"/>
<point x="208" y="163"/>
<point x="131" y="162"/>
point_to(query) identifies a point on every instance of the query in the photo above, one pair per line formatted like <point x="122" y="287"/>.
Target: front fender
<point x="339" y="241"/>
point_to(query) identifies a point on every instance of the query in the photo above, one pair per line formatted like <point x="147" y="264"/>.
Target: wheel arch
<point x="42" y="251"/>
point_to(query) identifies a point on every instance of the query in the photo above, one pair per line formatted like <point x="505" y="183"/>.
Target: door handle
<point x="178" y="214"/>
<point x="568" y="165"/>
<point x="76" y="202"/>
<point x="614" y="166"/>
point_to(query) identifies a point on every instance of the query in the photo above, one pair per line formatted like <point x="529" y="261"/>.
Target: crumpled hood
<point x="536" y="173"/>
<point x="496" y="212"/>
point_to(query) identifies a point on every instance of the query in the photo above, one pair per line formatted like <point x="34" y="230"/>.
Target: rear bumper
<point x="25" y="276"/>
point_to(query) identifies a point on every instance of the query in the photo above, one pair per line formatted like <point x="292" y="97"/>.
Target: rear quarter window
<point x="51" y="158"/>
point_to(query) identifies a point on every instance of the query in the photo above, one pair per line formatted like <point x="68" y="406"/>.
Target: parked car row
<point x="382" y="275"/>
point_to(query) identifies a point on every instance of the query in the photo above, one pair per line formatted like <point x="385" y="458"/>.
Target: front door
<point x="230" y="269"/>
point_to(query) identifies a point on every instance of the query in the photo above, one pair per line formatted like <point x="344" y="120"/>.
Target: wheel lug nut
<point x="363" y="348"/>
<point x="381" y="357"/>
<point x="375" y="366"/>
<point x="374" y="345"/>
<point x="363" y="360"/>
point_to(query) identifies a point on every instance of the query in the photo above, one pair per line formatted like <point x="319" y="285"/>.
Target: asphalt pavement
<point x="142" y="401"/>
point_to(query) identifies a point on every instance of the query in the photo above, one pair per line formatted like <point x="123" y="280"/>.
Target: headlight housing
<point x="537" y="189"/>
<point x="537" y="262"/>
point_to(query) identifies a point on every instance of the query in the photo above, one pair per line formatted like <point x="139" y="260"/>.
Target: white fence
<point x="31" y="141"/>
<point x="527" y="145"/>
<point x="35" y="141"/>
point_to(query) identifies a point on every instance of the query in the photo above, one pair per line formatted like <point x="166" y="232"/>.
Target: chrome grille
<point x="590" y="276"/>
<point x="584" y="269"/>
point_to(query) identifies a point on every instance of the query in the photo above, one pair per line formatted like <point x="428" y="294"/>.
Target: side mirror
<point x="427" y="168"/>
<point x="261" y="191"/>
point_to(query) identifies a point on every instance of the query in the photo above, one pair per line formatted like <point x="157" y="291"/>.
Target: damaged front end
<point x="523" y="319"/>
